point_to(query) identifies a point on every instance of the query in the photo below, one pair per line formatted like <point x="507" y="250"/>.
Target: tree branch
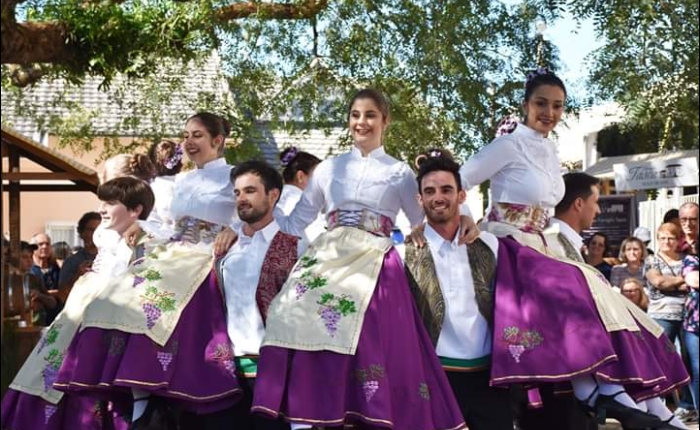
<point x="308" y="9"/>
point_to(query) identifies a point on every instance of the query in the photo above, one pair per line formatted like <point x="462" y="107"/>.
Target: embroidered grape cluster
<point x="152" y="314"/>
<point x="50" y="337"/>
<point x="520" y="341"/>
<point x="224" y="355"/>
<point x="138" y="280"/>
<point x="332" y="308"/>
<point x="49" y="410"/>
<point x="300" y="289"/>
<point x="307" y="280"/>
<point x="164" y="358"/>
<point x="369" y="388"/>
<point x="53" y="363"/>
<point x="370" y="379"/>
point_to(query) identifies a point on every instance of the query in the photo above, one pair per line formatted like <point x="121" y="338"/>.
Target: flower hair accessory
<point x="434" y="153"/>
<point x="540" y="71"/>
<point x="289" y="155"/>
<point x="506" y="126"/>
<point x="174" y="159"/>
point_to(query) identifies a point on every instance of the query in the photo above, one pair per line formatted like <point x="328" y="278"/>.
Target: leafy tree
<point x="451" y="68"/>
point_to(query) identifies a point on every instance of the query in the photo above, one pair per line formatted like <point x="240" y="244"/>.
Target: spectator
<point x="667" y="288"/>
<point x="643" y="234"/>
<point x="45" y="266"/>
<point x="688" y="216"/>
<point x="672" y="216"/>
<point x="80" y="262"/>
<point x="597" y="249"/>
<point x="632" y="257"/>
<point x="633" y="289"/>
<point x="44" y="306"/>
<point x="61" y="251"/>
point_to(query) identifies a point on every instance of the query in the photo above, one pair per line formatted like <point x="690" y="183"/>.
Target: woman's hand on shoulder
<point x="468" y="230"/>
<point x="224" y="240"/>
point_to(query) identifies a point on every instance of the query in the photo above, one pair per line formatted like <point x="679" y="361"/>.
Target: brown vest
<point x="277" y="265"/>
<point x="425" y="287"/>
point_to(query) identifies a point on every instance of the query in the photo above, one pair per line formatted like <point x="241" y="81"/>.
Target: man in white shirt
<point x="574" y="214"/>
<point x="251" y="274"/>
<point x="452" y="284"/>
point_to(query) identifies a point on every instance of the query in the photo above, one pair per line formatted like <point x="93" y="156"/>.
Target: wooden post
<point x="13" y="206"/>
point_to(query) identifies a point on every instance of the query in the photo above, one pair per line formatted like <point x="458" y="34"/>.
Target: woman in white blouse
<point x="548" y="325"/>
<point x="166" y="156"/>
<point x="343" y="343"/>
<point x="298" y="168"/>
<point x="159" y="330"/>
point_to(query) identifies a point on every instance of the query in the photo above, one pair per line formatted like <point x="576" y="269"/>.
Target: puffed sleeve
<point x="311" y="202"/>
<point x="488" y="161"/>
<point x="408" y="192"/>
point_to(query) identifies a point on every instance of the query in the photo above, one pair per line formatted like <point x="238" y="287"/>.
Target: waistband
<point x="462" y="365"/>
<point x="366" y="220"/>
<point x="527" y="218"/>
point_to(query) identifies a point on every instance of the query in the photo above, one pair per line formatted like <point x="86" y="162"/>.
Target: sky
<point x="574" y="44"/>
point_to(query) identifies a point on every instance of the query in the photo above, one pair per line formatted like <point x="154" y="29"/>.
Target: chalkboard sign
<point x="617" y="220"/>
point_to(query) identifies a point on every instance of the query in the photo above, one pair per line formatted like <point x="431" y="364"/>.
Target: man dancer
<point x="251" y="274"/>
<point x="572" y="215"/>
<point x="451" y="284"/>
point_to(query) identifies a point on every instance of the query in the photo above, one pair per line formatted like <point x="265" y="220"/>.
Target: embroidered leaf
<point x="54" y="358"/>
<point x="326" y="298"/>
<point x="346" y="306"/>
<point x="317" y="282"/>
<point x="424" y="391"/>
<point x="152" y="256"/>
<point x="152" y="275"/>
<point x="376" y="370"/>
<point x="361" y="375"/>
<point x="166" y="304"/>
<point x="151" y="292"/>
<point x="510" y="334"/>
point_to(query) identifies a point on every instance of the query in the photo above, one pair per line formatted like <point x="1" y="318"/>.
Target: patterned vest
<point x="277" y="265"/>
<point x="425" y="287"/>
<point x="569" y="249"/>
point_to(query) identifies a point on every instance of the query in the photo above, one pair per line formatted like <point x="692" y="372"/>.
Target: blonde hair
<point x="623" y="258"/>
<point x="643" y="298"/>
<point x="670" y="228"/>
<point x="136" y="165"/>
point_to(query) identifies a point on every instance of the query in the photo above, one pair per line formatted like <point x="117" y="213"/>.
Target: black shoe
<point x="630" y="418"/>
<point x="666" y="425"/>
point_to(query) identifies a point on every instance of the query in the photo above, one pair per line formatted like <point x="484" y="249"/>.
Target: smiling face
<point x="440" y="196"/>
<point x="366" y="124"/>
<point x="252" y="202"/>
<point x="596" y="246"/>
<point x="116" y="216"/>
<point x="199" y="145"/>
<point x="544" y="108"/>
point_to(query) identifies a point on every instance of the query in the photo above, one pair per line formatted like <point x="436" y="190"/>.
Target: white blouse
<point x="163" y="188"/>
<point x="523" y="168"/>
<point x="378" y="182"/>
<point x="205" y="194"/>
<point x="291" y="195"/>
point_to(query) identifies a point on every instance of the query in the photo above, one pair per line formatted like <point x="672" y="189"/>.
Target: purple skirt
<point x="547" y="329"/>
<point x="394" y="380"/>
<point x="22" y="411"/>
<point x="194" y="369"/>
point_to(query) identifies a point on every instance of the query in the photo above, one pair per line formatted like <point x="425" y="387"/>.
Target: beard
<point x="440" y="216"/>
<point x="252" y="215"/>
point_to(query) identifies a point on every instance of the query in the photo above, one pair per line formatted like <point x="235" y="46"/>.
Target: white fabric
<point x="523" y="168"/>
<point x="113" y="254"/>
<point x="574" y="238"/>
<point x="205" y="194"/>
<point x="377" y="182"/>
<point x="163" y="188"/>
<point x="291" y="195"/>
<point x="465" y="333"/>
<point x="241" y="273"/>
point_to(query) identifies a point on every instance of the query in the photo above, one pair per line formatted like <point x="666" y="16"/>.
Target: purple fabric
<point x="393" y="381"/>
<point x="22" y="411"/>
<point x="547" y="329"/>
<point x="194" y="369"/>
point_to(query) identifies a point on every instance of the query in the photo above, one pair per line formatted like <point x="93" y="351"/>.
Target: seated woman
<point x="632" y="256"/>
<point x="634" y="291"/>
<point x="557" y="320"/>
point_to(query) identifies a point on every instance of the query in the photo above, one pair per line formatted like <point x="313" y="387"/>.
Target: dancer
<point x="555" y="319"/>
<point x="451" y="284"/>
<point x="158" y="331"/>
<point x="344" y="344"/>
<point x="31" y="403"/>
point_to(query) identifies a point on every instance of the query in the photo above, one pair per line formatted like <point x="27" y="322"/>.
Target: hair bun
<point x="287" y="156"/>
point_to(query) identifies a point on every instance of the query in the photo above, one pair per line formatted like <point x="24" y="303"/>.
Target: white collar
<point x="375" y="153"/>
<point x="567" y="231"/>
<point x="267" y="233"/>
<point x="213" y="164"/>
<point x="528" y="132"/>
<point x="437" y="242"/>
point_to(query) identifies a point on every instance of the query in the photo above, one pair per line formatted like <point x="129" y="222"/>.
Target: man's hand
<point x="224" y="240"/>
<point x="468" y="231"/>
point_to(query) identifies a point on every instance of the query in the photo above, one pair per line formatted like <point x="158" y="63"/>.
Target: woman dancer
<point x="334" y="353"/>
<point x="557" y="320"/>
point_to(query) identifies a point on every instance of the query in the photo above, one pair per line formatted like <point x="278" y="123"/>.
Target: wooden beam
<point x="56" y="187"/>
<point x="14" y="202"/>
<point x="40" y="176"/>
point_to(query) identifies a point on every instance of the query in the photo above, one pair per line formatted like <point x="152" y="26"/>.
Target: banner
<point x="681" y="172"/>
<point x="617" y="219"/>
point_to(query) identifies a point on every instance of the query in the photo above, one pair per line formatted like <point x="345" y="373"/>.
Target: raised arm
<point x="311" y="202"/>
<point x="487" y="162"/>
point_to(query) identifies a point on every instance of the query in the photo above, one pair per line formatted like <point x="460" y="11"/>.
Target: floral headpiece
<point x="540" y="71"/>
<point x="289" y="155"/>
<point x="435" y="153"/>
<point x="174" y="159"/>
<point x="506" y="126"/>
